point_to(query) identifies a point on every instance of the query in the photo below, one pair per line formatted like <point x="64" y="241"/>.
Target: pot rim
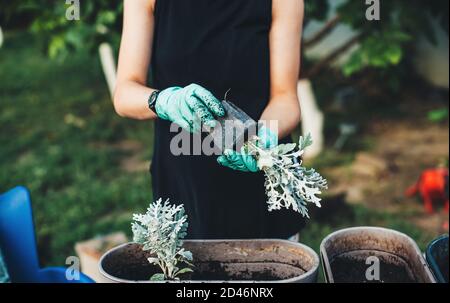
<point x="313" y="271"/>
<point x="431" y="261"/>
<point x="324" y="255"/>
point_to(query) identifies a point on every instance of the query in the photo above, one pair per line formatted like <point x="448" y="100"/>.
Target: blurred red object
<point x="432" y="187"/>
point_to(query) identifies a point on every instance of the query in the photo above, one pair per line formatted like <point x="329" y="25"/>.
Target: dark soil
<point x="138" y="272"/>
<point x="207" y="271"/>
<point x="266" y="275"/>
<point x="217" y="271"/>
<point x="353" y="270"/>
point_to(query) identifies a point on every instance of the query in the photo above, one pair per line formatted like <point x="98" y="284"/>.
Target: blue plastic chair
<point x="18" y="242"/>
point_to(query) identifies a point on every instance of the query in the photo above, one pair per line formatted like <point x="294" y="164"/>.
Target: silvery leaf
<point x="153" y="260"/>
<point x="183" y="271"/>
<point x="187" y="255"/>
<point x="304" y="142"/>
<point x="157" y="277"/>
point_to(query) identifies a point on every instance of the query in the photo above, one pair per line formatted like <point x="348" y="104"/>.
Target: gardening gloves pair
<point x="186" y="106"/>
<point x="243" y="160"/>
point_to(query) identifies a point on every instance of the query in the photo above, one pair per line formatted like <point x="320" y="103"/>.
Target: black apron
<point x="220" y="45"/>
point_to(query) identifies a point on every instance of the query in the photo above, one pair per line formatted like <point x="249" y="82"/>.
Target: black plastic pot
<point x="437" y="258"/>
<point x="234" y="129"/>
<point x="349" y="256"/>
<point x="234" y="261"/>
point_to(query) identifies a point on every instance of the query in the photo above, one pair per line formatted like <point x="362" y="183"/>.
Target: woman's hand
<point x="243" y="160"/>
<point x="189" y="105"/>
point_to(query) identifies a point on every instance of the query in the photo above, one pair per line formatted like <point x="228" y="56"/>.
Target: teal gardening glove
<point x="243" y="160"/>
<point x="184" y="106"/>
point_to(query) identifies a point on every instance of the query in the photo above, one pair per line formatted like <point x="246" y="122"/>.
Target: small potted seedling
<point x="159" y="254"/>
<point x="160" y="231"/>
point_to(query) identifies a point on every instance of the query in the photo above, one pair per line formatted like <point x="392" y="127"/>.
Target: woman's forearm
<point x="131" y="94"/>
<point x="282" y="114"/>
<point x="131" y="100"/>
<point x="285" y="44"/>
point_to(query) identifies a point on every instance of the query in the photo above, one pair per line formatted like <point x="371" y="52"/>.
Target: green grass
<point x="58" y="135"/>
<point x="58" y="130"/>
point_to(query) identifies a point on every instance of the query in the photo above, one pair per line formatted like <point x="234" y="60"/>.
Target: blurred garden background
<point x="381" y="85"/>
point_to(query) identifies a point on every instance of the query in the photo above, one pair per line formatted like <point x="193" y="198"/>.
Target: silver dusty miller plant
<point x="161" y="231"/>
<point x="289" y="184"/>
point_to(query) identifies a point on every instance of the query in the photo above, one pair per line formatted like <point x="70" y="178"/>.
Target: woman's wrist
<point x="282" y="115"/>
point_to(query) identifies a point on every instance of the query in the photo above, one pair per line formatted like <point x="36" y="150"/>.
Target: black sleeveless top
<point x="218" y="44"/>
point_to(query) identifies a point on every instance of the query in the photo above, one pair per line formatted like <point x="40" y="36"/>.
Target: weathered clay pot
<point x="221" y="261"/>
<point x="345" y="257"/>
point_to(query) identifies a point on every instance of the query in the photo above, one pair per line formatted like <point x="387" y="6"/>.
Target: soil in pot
<point x="215" y="271"/>
<point x="351" y="267"/>
<point x="130" y="263"/>
<point x="239" y="271"/>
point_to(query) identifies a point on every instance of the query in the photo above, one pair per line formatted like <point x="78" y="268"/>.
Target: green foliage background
<point x="59" y="136"/>
<point x="383" y="44"/>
